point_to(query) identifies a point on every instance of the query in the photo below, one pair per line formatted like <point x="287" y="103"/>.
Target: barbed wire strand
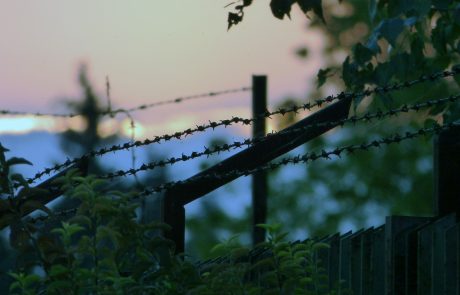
<point x="112" y="113"/>
<point x="299" y="159"/>
<point x="245" y="121"/>
<point x="367" y="118"/>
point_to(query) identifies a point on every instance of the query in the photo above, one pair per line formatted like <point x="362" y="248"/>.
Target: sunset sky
<point x="151" y="51"/>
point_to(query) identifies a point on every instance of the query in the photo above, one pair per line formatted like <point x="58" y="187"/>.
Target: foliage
<point x="102" y="249"/>
<point x="279" y="8"/>
<point x="367" y="43"/>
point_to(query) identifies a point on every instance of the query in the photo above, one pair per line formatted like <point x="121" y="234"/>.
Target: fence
<point x="405" y="254"/>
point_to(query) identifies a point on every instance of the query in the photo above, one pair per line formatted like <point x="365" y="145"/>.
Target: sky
<point x="150" y="51"/>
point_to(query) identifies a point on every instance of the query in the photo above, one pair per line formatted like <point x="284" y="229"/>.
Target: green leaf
<point x="419" y="8"/>
<point x="17" y="161"/>
<point x="441" y="4"/>
<point x="322" y="76"/>
<point x="362" y="54"/>
<point x="239" y="252"/>
<point x="315" y="5"/>
<point x="58" y="270"/>
<point x="372" y="10"/>
<point x="280" y="8"/>
<point x="264" y="263"/>
<point x="391" y="29"/>
<point x="19" y="179"/>
<point x="320" y="246"/>
<point x="456" y="15"/>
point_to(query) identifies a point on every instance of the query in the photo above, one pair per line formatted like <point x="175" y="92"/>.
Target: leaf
<point x="315" y="5"/>
<point x="19" y="179"/>
<point x="372" y="10"/>
<point x="58" y="270"/>
<point x="391" y="29"/>
<point x="17" y="161"/>
<point x="419" y="8"/>
<point x="441" y="4"/>
<point x="219" y="249"/>
<point x="239" y="252"/>
<point x="456" y="15"/>
<point x="322" y="76"/>
<point x="362" y="54"/>
<point x="280" y="8"/>
<point x="19" y="238"/>
<point x="264" y="263"/>
<point x="320" y="246"/>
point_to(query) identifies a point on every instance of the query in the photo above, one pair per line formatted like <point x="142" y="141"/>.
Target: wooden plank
<point x="446" y="171"/>
<point x="334" y="262"/>
<point x="378" y="261"/>
<point x="411" y="263"/>
<point x="357" y="262"/>
<point x="424" y="261"/>
<point x="395" y="226"/>
<point x="452" y="258"/>
<point x="439" y="251"/>
<point x="366" y="261"/>
<point x="345" y="262"/>
<point x="258" y="154"/>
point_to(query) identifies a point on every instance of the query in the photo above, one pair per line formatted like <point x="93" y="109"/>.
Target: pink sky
<point x="151" y="51"/>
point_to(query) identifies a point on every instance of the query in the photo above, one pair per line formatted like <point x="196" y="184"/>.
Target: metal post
<point x="447" y="172"/>
<point x="259" y="179"/>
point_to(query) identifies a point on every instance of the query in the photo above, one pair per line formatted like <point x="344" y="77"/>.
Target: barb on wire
<point x="112" y="113"/>
<point x="245" y="121"/>
<point x="299" y="159"/>
<point x="310" y="157"/>
<point x="368" y="117"/>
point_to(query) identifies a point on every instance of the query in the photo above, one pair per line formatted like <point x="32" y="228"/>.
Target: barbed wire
<point x="248" y="121"/>
<point x="110" y="112"/>
<point x="308" y="157"/>
<point x="368" y="117"/>
<point x="299" y="159"/>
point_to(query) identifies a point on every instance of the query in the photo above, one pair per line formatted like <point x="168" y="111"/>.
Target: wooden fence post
<point x="174" y="215"/>
<point x="447" y="172"/>
<point x="259" y="179"/>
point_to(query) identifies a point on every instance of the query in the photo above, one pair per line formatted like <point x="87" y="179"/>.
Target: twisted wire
<point x="237" y="120"/>
<point x="299" y="159"/>
<point x="111" y="112"/>
<point x="368" y="117"/>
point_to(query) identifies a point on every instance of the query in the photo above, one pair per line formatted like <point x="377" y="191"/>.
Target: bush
<point x="102" y="249"/>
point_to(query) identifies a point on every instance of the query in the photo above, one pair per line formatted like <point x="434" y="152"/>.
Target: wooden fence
<point x="406" y="255"/>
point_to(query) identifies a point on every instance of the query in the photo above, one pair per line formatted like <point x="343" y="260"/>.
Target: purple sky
<point x="151" y="51"/>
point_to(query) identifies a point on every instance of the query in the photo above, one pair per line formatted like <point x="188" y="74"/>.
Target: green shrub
<point x="102" y="249"/>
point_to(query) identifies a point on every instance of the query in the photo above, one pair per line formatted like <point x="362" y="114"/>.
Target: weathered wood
<point x="345" y="262"/>
<point x="366" y="261"/>
<point x="395" y="267"/>
<point x="424" y="261"/>
<point x="259" y="154"/>
<point x="446" y="172"/>
<point x="452" y="258"/>
<point x="259" y="179"/>
<point x="378" y="261"/>
<point x="439" y="252"/>
<point x="411" y="263"/>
